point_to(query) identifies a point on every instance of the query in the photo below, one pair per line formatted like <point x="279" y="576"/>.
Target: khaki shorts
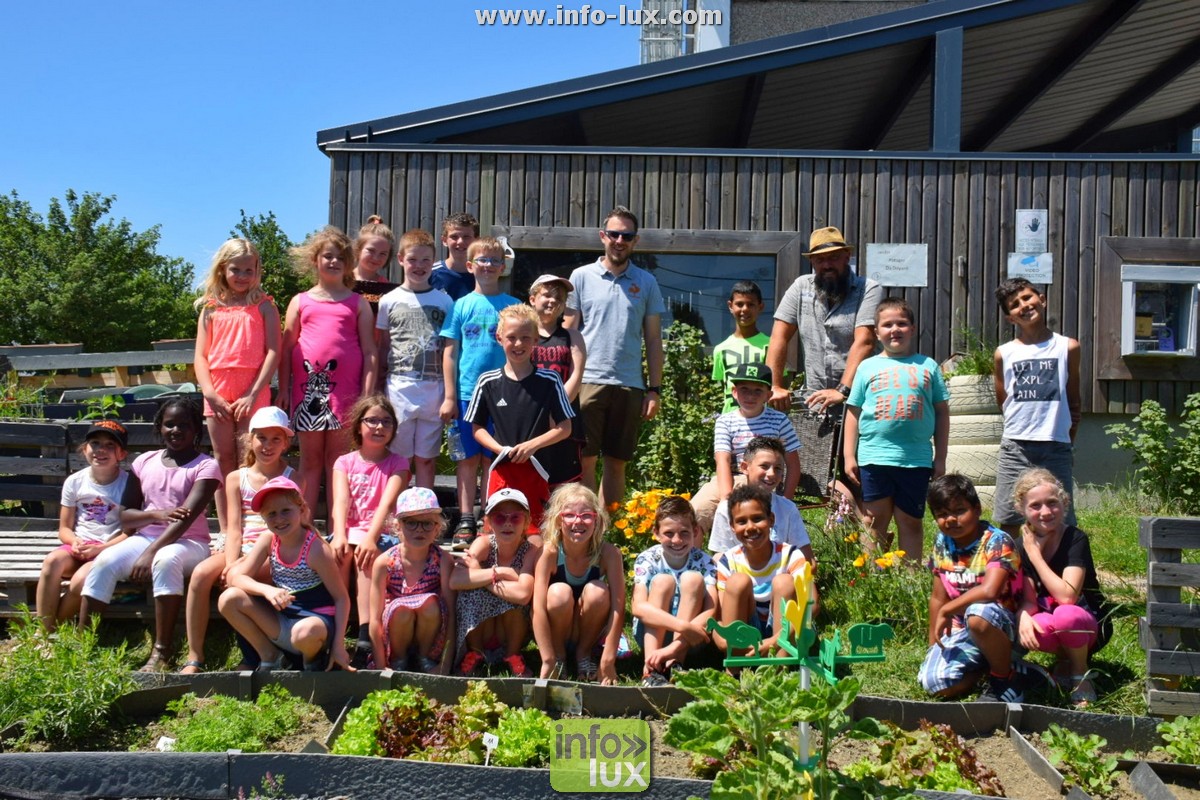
<point x="612" y="418"/>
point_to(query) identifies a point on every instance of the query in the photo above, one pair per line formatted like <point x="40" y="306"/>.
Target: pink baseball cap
<point x="274" y="485"/>
<point x="417" y="500"/>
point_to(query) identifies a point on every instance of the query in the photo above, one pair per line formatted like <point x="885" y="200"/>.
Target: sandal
<point x="159" y="661"/>
<point x="192" y="667"/>
<point x="270" y="665"/>
<point x="1084" y="693"/>
<point x="587" y="670"/>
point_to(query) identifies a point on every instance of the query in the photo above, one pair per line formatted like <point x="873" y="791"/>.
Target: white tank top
<point x="1035" y="380"/>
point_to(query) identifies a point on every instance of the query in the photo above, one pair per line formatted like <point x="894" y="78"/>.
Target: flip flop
<point x="192" y="664"/>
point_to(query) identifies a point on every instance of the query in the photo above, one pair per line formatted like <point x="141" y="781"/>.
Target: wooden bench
<point x="24" y="545"/>
<point x="63" y="366"/>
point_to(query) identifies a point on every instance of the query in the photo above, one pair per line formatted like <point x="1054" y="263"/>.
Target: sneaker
<point x="464" y="534"/>
<point x="1032" y="677"/>
<point x="516" y="665"/>
<point x="1001" y="690"/>
<point x="471" y="663"/>
<point x="655" y="679"/>
<point x="362" y="655"/>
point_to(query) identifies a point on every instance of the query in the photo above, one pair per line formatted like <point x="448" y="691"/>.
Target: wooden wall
<point x="963" y="208"/>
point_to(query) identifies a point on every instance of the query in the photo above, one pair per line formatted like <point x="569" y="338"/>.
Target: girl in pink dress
<point x="237" y="350"/>
<point x="328" y="356"/>
<point x="412" y="604"/>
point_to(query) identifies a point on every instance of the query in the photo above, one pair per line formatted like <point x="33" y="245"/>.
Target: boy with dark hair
<point x="452" y="275"/>
<point x="1037" y="387"/>
<point x="746" y="344"/>
<point x="561" y="350"/>
<point x="897" y="403"/>
<point x="471" y="350"/>
<point x="528" y="410"/>
<point x="764" y="464"/>
<point x="977" y="588"/>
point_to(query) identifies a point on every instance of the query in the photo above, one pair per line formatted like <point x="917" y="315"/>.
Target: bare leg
<point x="57" y="565"/>
<point x="199" y="597"/>
<point x="612" y="483"/>
<point x="993" y="643"/>
<point x="588" y="465"/>
<point x="68" y="604"/>
<point x="222" y="434"/>
<point x="336" y="445"/>
<point x="912" y="536"/>
<point x="423" y="472"/>
<point x="89" y="607"/>
<point x="593" y="607"/>
<point x="312" y="464"/>
<point x="879" y="518"/>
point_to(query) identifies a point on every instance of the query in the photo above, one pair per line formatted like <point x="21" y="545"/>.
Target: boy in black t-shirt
<point x="529" y="410"/>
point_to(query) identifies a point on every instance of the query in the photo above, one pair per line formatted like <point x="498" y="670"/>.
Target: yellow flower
<point x="621" y="524"/>
<point x="900" y="554"/>
<point x="883" y="563"/>
<point x="862" y="559"/>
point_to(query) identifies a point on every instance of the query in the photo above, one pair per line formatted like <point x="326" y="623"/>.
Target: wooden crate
<point x="1170" y="630"/>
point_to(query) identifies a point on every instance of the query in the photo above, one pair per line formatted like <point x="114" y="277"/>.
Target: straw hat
<point x="827" y="240"/>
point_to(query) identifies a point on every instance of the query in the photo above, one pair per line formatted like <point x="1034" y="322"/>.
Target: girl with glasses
<point x="412" y="602"/>
<point x="366" y="483"/>
<point x="579" y="587"/>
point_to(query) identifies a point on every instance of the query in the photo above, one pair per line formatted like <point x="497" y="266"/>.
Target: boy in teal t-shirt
<point x="897" y="404"/>
<point x="746" y="344"/>
<point x="472" y="349"/>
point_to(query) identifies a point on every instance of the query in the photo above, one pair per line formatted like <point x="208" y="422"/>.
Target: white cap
<point x="506" y="495"/>
<point x="271" y="417"/>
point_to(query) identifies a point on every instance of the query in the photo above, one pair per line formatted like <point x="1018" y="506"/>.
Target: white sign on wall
<point x="1032" y="234"/>
<point x="1033" y="267"/>
<point x="898" y="264"/>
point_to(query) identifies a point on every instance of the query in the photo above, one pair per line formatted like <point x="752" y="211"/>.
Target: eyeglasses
<point x="423" y="525"/>
<point x="587" y="517"/>
<point x="511" y="518"/>
<point x="623" y="236"/>
<point x="378" y="422"/>
<point x="492" y="263"/>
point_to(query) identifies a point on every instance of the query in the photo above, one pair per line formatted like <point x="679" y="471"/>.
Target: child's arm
<point x="614" y="576"/>
<point x="724" y="461"/>
<point x="522" y="452"/>
<point x="241" y="408"/>
<point x="792" y="479"/>
<point x="221" y="409"/>
<point x="850" y="442"/>
<point x="66" y="524"/>
<point x="323" y="562"/>
<point x="941" y="437"/>
<point x="467" y="573"/>
<point x="998" y="377"/>
<point x="1027" y="627"/>
<point x="243" y="574"/>
<point x="578" y="361"/>
<point x="291" y="337"/>
<point x="546" y="565"/>
<point x="378" y="601"/>
<point x="987" y="591"/>
<point x="339" y="510"/>
<point x="1074" y="355"/>
<point x="368" y="548"/>
<point x="449" y="409"/>
<point x="366" y="343"/>
<point x="449" y="597"/>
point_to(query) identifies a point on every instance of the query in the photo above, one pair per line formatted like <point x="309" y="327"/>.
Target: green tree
<point x="77" y="275"/>
<point x="278" y="278"/>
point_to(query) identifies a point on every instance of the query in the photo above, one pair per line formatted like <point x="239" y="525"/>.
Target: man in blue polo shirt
<point x="616" y="306"/>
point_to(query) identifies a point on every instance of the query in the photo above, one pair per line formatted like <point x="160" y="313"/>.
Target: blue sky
<point x="188" y="112"/>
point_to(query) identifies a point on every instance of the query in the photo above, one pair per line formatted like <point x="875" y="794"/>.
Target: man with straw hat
<point x="834" y="311"/>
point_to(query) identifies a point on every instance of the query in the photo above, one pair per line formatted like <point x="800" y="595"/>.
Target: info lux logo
<point x="600" y="756"/>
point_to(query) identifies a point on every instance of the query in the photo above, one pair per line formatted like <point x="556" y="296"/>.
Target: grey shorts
<point x="289" y="620"/>
<point x="1018" y="455"/>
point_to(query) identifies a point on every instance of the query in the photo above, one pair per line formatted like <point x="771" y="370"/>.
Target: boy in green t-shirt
<point x="746" y="344"/>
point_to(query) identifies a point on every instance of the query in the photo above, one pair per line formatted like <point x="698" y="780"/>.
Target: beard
<point x="835" y="288"/>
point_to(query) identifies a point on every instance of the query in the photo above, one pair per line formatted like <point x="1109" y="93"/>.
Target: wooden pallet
<point x="1170" y="631"/>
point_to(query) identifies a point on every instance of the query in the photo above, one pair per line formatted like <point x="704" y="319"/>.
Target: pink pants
<point x="1065" y="626"/>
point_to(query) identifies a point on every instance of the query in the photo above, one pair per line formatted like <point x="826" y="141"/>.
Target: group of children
<point x="372" y="373"/>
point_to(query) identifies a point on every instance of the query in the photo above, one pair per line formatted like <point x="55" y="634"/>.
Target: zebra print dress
<point x="327" y="363"/>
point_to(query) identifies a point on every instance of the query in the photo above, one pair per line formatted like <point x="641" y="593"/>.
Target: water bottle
<point x="454" y="443"/>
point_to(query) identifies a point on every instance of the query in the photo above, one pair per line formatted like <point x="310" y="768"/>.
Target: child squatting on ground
<point x="304" y="608"/>
<point x="977" y="587"/>
<point x="674" y="592"/>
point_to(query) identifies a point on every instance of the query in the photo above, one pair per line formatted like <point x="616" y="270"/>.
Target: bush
<point x="63" y="688"/>
<point x="676" y="448"/>
<point x="1167" y="458"/>
<point x="219" y="723"/>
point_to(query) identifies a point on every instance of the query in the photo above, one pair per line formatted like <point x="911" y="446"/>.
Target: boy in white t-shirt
<point x="763" y="465"/>
<point x="410" y="355"/>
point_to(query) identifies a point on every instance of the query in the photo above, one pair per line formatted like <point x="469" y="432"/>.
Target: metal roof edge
<point x="917" y="21"/>
<point x="875" y="155"/>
